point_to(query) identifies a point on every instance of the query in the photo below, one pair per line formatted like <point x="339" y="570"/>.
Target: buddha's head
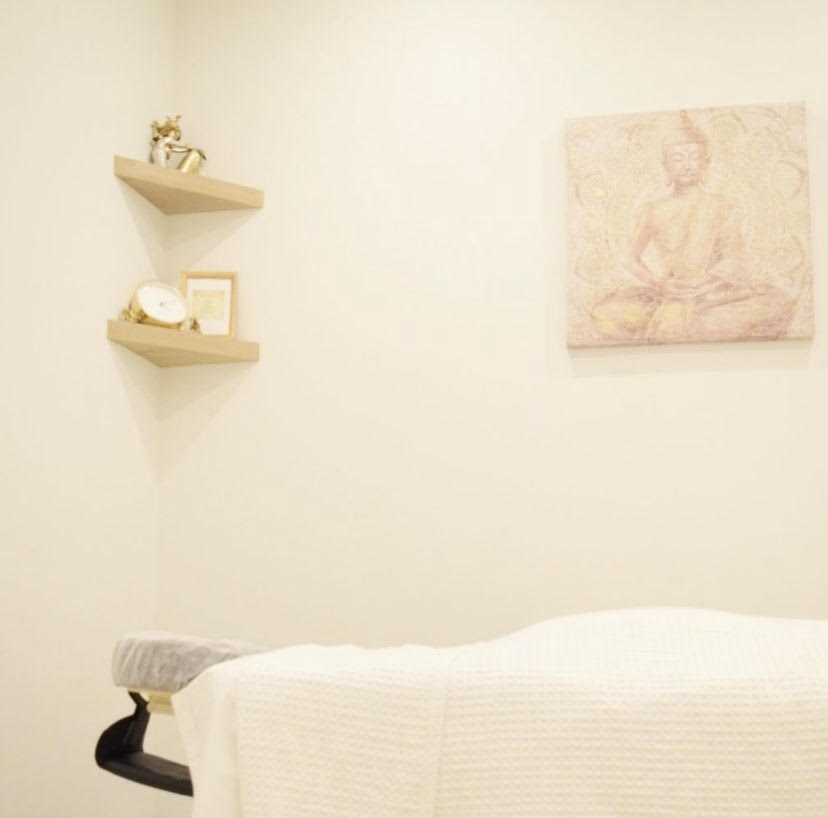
<point x="685" y="154"/>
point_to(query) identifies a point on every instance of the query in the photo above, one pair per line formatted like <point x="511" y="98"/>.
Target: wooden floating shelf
<point x="175" y="192"/>
<point x="171" y="347"/>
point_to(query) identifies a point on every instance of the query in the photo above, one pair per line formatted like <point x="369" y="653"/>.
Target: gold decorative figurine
<point x="166" y="140"/>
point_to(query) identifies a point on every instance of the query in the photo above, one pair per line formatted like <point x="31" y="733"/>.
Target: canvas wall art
<point x="689" y="226"/>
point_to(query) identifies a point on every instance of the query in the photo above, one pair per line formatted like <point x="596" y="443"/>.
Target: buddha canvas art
<point x="689" y="226"/>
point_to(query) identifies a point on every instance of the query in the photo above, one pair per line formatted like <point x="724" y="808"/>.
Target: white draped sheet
<point x="647" y="713"/>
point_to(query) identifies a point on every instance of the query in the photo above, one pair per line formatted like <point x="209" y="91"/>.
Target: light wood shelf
<point x="171" y="347"/>
<point x="175" y="192"/>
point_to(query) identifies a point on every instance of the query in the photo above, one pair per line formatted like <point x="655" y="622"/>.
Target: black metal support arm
<point x="120" y="750"/>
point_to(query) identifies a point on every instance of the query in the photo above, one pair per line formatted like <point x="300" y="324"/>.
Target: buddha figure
<point x="696" y="286"/>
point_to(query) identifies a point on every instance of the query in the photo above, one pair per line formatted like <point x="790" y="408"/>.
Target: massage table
<point x="641" y="713"/>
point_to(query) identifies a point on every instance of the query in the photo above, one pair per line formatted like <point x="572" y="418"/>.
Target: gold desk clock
<point x="154" y="302"/>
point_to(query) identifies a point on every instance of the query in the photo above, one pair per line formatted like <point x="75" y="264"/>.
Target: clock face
<point x="161" y="302"/>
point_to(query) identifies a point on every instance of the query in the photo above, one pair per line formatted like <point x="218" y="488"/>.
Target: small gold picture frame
<point x="211" y="300"/>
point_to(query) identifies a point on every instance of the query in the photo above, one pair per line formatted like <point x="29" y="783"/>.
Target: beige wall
<point x="78" y="416"/>
<point x="417" y="457"/>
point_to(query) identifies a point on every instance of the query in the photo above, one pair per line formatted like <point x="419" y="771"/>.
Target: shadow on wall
<point x="140" y="381"/>
<point x="187" y="398"/>
<point x="178" y="241"/>
<point x="693" y="358"/>
<point x="192" y="397"/>
<point x="192" y="236"/>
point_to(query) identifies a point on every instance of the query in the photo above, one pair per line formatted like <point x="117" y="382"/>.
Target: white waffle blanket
<point x="650" y="713"/>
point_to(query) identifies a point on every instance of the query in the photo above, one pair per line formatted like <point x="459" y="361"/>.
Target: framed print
<point x="689" y="226"/>
<point x="211" y="300"/>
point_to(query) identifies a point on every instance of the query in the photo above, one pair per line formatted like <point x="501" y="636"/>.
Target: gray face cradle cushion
<point x="156" y="660"/>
